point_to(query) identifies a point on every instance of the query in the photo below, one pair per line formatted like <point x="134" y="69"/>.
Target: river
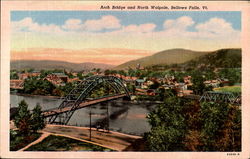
<point x="125" y="116"/>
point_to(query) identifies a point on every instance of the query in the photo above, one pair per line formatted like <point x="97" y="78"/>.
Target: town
<point x="143" y="81"/>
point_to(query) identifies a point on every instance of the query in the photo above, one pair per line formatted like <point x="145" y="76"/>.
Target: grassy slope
<point x="234" y="89"/>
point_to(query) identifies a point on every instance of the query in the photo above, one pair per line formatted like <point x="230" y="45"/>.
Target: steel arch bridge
<point x="226" y="97"/>
<point x="76" y="99"/>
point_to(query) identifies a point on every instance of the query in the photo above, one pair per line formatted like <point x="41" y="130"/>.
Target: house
<point x="168" y="86"/>
<point x="73" y="79"/>
<point x="149" y="92"/>
<point x="58" y="79"/>
<point x="213" y="83"/>
<point x="139" y="82"/>
<point x="17" y="84"/>
<point x="62" y="76"/>
<point x="187" y="80"/>
<point x="23" y="76"/>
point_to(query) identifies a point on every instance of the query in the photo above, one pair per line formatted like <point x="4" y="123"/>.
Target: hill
<point x="223" y="58"/>
<point x="167" y="57"/>
<point x="48" y="64"/>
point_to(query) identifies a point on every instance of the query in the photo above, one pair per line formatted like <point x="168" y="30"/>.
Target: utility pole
<point x="90" y="123"/>
<point x="108" y="116"/>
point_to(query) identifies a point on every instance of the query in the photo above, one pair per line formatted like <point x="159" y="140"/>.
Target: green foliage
<point x="27" y="122"/>
<point x="67" y="88"/>
<point x="107" y="72"/>
<point x="30" y="70"/>
<point x="122" y="72"/>
<point x="165" y="94"/>
<point x="233" y="75"/>
<point x="37" y="120"/>
<point x="13" y="75"/>
<point x="221" y="130"/>
<point x="131" y="88"/>
<point x="19" y="140"/>
<point x="182" y="125"/>
<point x="198" y="86"/>
<point x="80" y="76"/>
<point x="168" y="127"/>
<point x="224" y="58"/>
<point x="23" y="118"/>
<point x="59" y="143"/>
<point x="38" y="86"/>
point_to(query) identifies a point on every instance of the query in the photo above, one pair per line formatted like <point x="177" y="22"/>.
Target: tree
<point x="37" y="120"/>
<point x="80" y="76"/>
<point x="167" y="126"/>
<point x="131" y="72"/>
<point x="107" y="72"/>
<point x="155" y="85"/>
<point x="30" y="70"/>
<point x="122" y="72"/>
<point x="233" y="75"/>
<point x="23" y="118"/>
<point x="221" y="130"/>
<point x="13" y="75"/>
<point x="198" y="84"/>
<point x="34" y="86"/>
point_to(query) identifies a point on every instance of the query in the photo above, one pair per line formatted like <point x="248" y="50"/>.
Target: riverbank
<point x="33" y="95"/>
<point x="57" y="97"/>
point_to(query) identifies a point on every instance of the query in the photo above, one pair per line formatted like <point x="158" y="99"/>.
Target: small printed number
<point x="233" y="154"/>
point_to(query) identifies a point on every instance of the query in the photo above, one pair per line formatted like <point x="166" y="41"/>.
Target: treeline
<point x="38" y="86"/>
<point x="182" y="125"/>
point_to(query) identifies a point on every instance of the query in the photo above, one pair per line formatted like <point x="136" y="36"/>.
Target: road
<point x="113" y="140"/>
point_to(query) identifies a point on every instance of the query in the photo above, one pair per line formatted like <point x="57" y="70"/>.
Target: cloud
<point x="28" y="25"/>
<point x="108" y="32"/>
<point x="181" y="23"/>
<point x="106" y="22"/>
<point x="72" y="24"/>
<point x="215" y="26"/>
<point x="142" y="28"/>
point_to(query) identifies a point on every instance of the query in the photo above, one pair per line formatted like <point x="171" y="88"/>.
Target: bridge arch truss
<point x="79" y="95"/>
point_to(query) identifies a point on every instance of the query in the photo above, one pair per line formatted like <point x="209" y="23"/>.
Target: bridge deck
<point x="82" y="105"/>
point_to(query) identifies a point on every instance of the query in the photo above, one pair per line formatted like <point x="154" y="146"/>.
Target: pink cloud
<point x="114" y="56"/>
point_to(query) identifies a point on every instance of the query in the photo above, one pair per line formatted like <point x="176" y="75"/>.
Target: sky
<point x="91" y="36"/>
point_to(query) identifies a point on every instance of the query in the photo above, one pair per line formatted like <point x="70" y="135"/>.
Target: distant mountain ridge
<point x="166" y="57"/>
<point x="49" y="64"/>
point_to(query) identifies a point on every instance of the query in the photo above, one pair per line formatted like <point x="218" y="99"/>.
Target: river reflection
<point x="124" y="116"/>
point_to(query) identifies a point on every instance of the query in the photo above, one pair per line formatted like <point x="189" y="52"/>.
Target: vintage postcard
<point x="125" y="79"/>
